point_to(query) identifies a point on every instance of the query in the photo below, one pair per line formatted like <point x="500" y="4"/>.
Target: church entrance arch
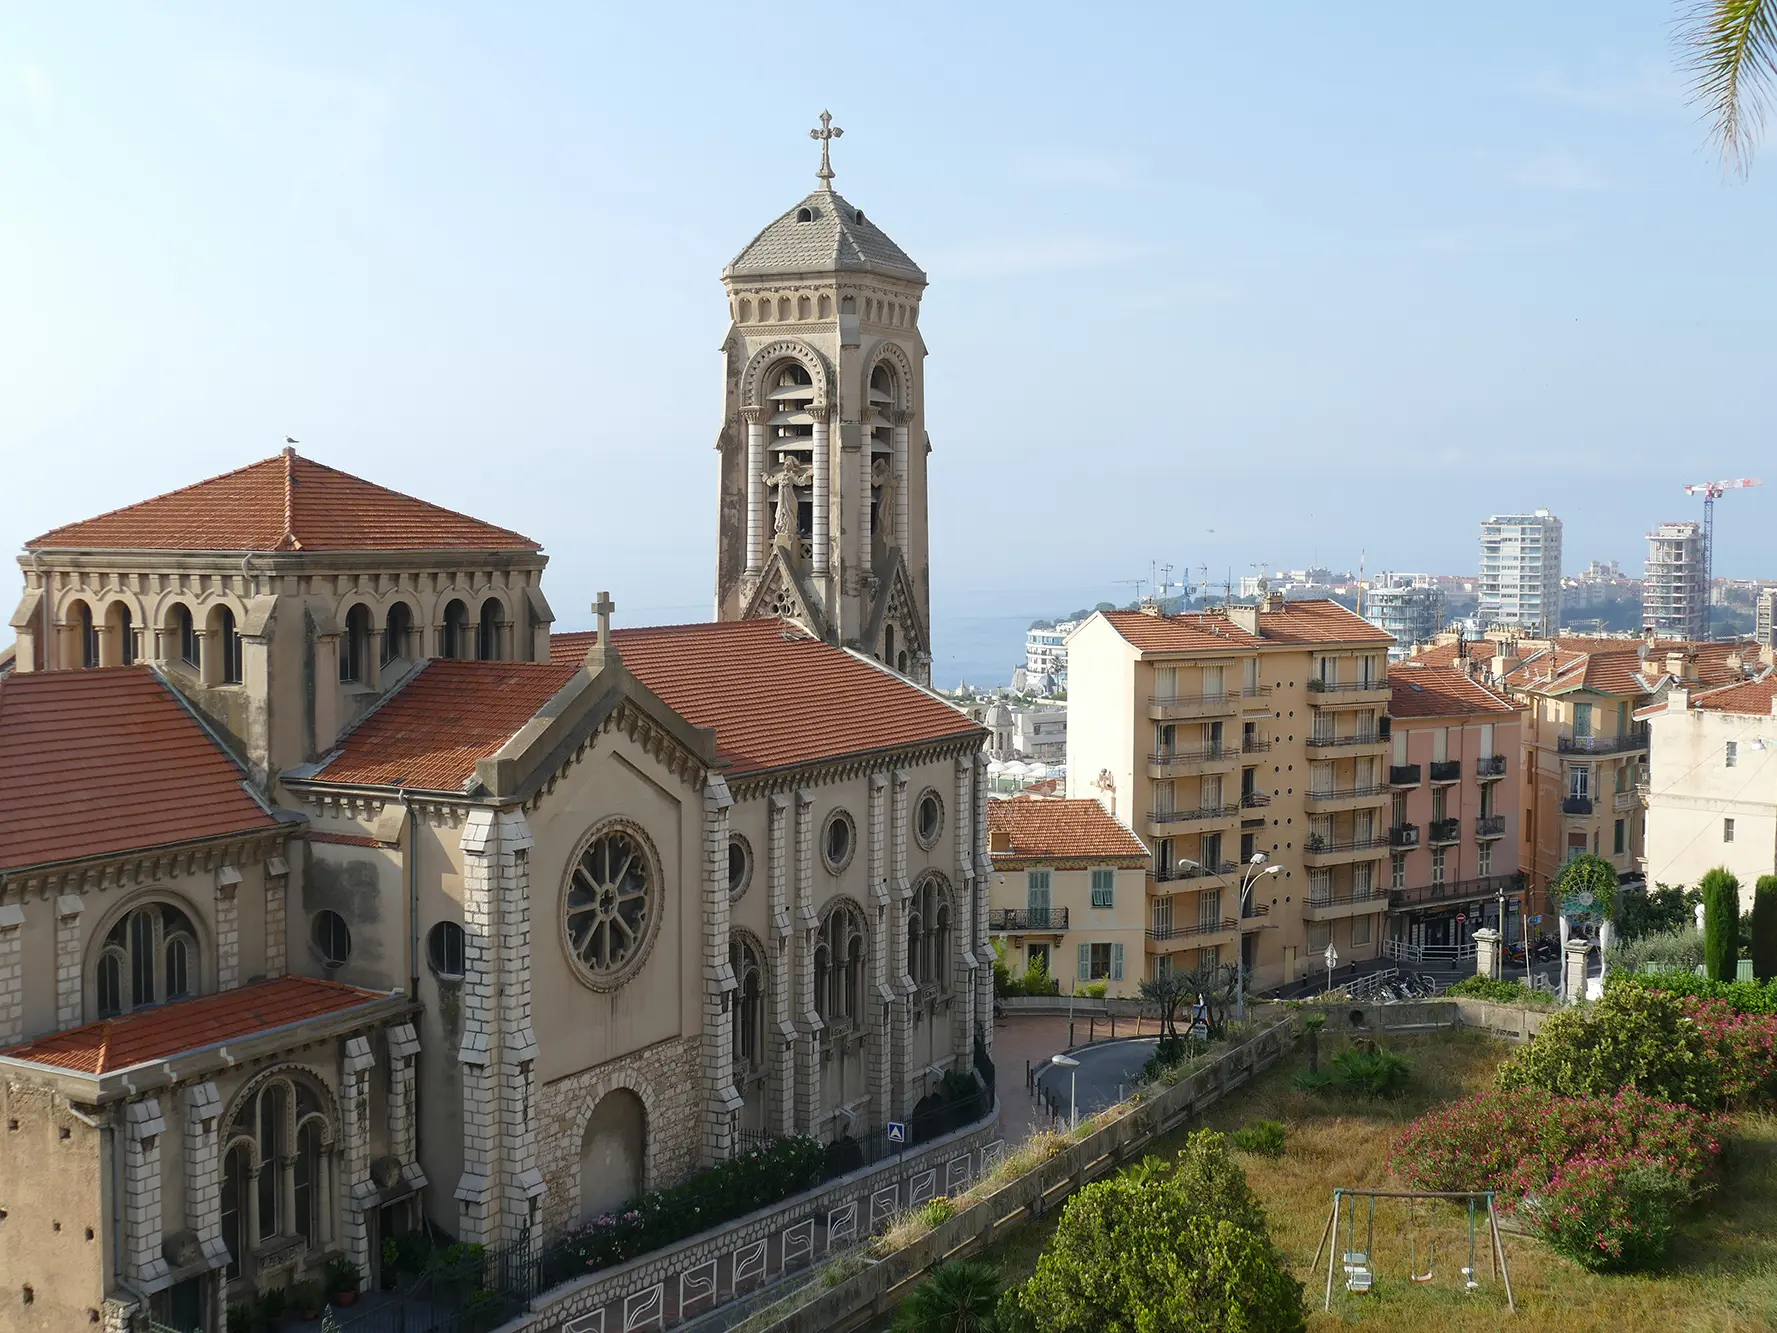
<point x="612" y="1152"/>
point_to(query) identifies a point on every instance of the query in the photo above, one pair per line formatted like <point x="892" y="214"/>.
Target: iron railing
<point x="1490" y="766"/>
<point x="1342" y="897"/>
<point x="1636" y="738"/>
<point x="1404" y="835"/>
<point x="1447" y="770"/>
<point x="1027" y="918"/>
<point x="1317" y="845"/>
<point x="1576" y="805"/>
<point x="1490" y="826"/>
<point x="1254" y="745"/>
<point x="1347" y="793"/>
<point x="1161" y="934"/>
<point x="1444" y="830"/>
<point x="1403" y="775"/>
<point x="1252" y="800"/>
<point x="1356" y="738"/>
<point x="1456" y="890"/>
<point x="1179" y="870"/>
<point x="1190" y="816"/>
<point x="1318" y="686"/>
<point x="1202" y="755"/>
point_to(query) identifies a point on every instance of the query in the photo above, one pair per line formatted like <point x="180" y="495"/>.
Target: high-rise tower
<point x="822" y="507"/>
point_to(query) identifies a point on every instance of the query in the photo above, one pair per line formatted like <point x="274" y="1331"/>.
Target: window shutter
<point x="1116" y="962"/>
<point x="1083" y="963"/>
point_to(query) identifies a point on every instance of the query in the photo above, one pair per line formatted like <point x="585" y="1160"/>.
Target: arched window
<point x="237" y="1187"/>
<point x="222" y="633"/>
<point x="121" y="627"/>
<point x="444" y="950"/>
<point x="456" y="629"/>
<point x="749" y="1006"/>
<point x="790" y="436"/>
<point x="332" y="937"/>
<point x="888" y="644"/>
<point x="181" y="630"/>
<point x="354" y="644"/>
<point x="490" y="639"/>
<point x="274" y="1178"/>
<point x="81" y="616"/>
<point x="397" y="630"/>
<point x="928" y="936"/>
<point x="149" y="957"/>
<point x="839" y="966"/>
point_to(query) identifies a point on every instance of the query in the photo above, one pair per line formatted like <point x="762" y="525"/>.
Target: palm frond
<point x="1732" y="60"/>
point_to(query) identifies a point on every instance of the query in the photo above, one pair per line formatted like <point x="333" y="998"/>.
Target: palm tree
<point x="1733" y="65"/>
<point x="959" y="1297"/>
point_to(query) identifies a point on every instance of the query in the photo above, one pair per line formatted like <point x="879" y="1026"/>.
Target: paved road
<point x="1106" y="1073"/>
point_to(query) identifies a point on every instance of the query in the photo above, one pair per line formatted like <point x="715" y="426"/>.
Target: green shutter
<point x="1116" y="962"/>
<point x="1083" y="963"/>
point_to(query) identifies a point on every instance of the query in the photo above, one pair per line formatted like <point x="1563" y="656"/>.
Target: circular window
<point x="332" y="937"/>
<point x="740" y="865"/>
<point x="444" y="949"/>
<point x="611" y="906"/>
<point x="838" y="841"/>
<point x="928" y="818"/>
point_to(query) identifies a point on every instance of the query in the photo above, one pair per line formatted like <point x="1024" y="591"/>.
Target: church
<point x="340" y="895"/>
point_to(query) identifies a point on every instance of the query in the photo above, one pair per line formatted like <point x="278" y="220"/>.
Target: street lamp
<point x="1256" y="869"/>
<point x="1332" y="956"/>
<point x="1072" y="1066"/>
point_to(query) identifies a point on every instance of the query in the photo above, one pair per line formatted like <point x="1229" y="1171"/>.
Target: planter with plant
<point x="242" y="1318"/>
<point x="271" y="1305"/>
<point x="388" y="1273"/>
<point x="343" y="1279"/>
<point x="307" y="1298"/>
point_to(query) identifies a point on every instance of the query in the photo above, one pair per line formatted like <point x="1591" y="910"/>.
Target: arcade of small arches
<point x="280" y="1167"/>
<point x="780" y="308"/>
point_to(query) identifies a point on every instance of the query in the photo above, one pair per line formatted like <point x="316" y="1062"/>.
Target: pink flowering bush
<point x="1744" y="1044"/>
<point x="1608" y="1213"/>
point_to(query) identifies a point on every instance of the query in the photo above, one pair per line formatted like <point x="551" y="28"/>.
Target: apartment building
<point x="1712" y="783"/>
<point x="1765" y="624"/>
<point x="1521" y="572"/>
<point x="1406" y="609"/>
<point x="1675" y="582"/>
<point x="1068" y="892"/>
<point x="1218" y="735"/>
<point x="1453" y="823"/>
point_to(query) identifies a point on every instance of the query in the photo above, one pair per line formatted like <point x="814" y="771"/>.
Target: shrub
<point x="1764" y="928"/>
<point x="1680" y="949"/>
<point x="1264" y="1138"/>
<point x="959" y="1297"/>
<point x="1632" y="1037"/>
<point x="936" y="1212"/>
<point x="1498" y="992"/>
<point x="1721" y="924"/>
<point x="1609" y="1213"/>
<point x="1746" y="997"/>
<point x="1642" y="911"/>
<point x="342" y="1275"/>
<point x="1376" y="1073"/>
<point x="307" y="1298"/>
<point x="1185" y="1251"/>
<point x="1311" y="1080"/>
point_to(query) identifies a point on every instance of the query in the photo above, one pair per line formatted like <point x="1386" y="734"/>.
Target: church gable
<point x="781" y="595"/>
<point x="895" y="628"/>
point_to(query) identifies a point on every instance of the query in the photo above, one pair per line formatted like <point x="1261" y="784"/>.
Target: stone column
<point x="404" y="1050"/>
<point x="1573" y="968"/>
<point x="523" y="1179"/>
<point x="983" y="941"/>
<point x="357" y="1192"/>
<point x="721" y="1099"/>
<point x="823" y="481"/>
<point x="806" y="927"/>
<point x="1487" y="953"/>
<point x="69" y="990"/>
<point x="755" y="417"/>
<point x="477" y="1191"/>
<point x="962" y="913"/>
<point x="783" y="1054"/>
<point x="277" y="878"/>
<point x="866" y="461"/>
<point x="903" y="502"/>
<point x="900" y="897"/>
<point x="12" y="974"/>
<point x="880" y="1033"/>
<point x="228" y="928"/>
<point x="143" y="1127"/>
<point x="203" y="1171"/>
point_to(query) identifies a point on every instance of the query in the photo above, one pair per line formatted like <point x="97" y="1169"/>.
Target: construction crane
<point x="1711" y="491"/>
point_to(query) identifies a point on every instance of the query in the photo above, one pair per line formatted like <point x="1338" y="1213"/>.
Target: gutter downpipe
<point x="411" y="858"/>
<point x="43" y="591"/>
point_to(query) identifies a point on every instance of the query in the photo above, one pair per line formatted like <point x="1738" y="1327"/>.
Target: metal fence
<point x="464" y="1289"/>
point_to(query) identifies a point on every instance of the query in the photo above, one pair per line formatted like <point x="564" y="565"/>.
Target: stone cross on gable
<point x="826" y="134"/>
<point x="603" y="609"/>
<point x="602" y="649"/>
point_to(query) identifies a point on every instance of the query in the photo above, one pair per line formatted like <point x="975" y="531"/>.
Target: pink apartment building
<point x="1453" y="829"/>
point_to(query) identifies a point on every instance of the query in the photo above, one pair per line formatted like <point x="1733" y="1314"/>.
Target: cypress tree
<point x="1721" y="924"/>
<point x="1764" y="928"/>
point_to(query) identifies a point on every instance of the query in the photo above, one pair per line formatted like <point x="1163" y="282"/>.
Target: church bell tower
<point x="823" y="444"/>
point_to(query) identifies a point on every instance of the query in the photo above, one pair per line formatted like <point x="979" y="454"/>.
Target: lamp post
<point x="1072" y="1066"/>
<point x="1255" y="870"/>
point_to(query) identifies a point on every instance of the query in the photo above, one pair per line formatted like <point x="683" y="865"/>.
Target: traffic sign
<point x="1461" y="916"/>
<point x="1536" y="920"/>
<point x="897" y="1131"/>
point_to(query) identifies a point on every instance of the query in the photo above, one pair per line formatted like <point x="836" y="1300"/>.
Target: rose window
<point x="610" y="904"/>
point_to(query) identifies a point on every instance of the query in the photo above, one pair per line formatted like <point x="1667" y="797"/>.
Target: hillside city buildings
<point x="1675" y="582"/>
<point x="1521" y="572"/>
<point x="1408" y="610"/>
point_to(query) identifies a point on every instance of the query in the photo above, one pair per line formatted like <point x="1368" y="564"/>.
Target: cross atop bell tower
<point x="826" y="134"/>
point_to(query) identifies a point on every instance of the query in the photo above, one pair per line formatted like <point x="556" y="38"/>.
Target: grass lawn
<point x="1720" y="1278"/>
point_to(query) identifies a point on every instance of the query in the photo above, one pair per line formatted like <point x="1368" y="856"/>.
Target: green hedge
<point x="1748" y="997"/>
<point x="1721" y="923"/>
<point x="1764" y="928"/>
<point x="1499" y="992"/>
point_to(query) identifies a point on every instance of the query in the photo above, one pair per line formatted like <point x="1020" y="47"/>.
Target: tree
<point x="1168" y="992"/>
<point x="1721" y="924"/>
<point x="1188" y="1251"/>
<point x="1642" y="911"/>
<point x="1764" y="928"/>
<point x="1733" y="64"/>
<point x="959" y="1297"/>
<point x="1593" y="875"/>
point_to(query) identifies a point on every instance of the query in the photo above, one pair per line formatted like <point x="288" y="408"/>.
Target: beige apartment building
<point x="1068" y="892"/>
<point x="1224" y="734"/>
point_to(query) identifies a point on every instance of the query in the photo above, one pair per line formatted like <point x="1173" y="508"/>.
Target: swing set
<point x="1359" y="1265"/>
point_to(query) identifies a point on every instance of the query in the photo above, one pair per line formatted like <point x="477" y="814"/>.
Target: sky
<point x="1210" y="285"/>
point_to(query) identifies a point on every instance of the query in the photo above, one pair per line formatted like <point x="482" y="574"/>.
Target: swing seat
<point x="1358" y="1276"/>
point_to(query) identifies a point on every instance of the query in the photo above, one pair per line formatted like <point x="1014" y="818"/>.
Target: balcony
<point x="1633" y="739"/>
<point x="1490" y="826"/>
<point x="1318" y="851"/>
<point x="1403" y="775"/>
<point x="1183" y="871"/>
<point x="1163" y="707"/>
<point x="1027" y="918"/>
<point x="1449" y="770"/>
<point x="1199" y="933"/>
<point x="1331" y="904"/>
<point x="1255" y="699"/>
<point x="1576" y="805"/>
<point x="1633" y="799"/>
<point x="1356" y="739"/>
<point x="1207" y="759"/>
<point x="1254" y="916"/>
<point x="1442" y="832"/>
<point x="1254" y="745"/>
<point x="1457" y="890"/>
<point x="1404" y="835"/>
<point x="1333" y="799"/>
<point x="1254" y="800"/>
<point x="1350" y="694"/>
<point x="1162" y="822"/>
<point x="1490" y="766"/>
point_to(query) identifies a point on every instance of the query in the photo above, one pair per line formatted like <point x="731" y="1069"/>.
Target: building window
<point x="491" y="633"/>
<point x="928" y="935"/>
<point x="332" y="937"/>
<point x="1576" y="846"/>
<point x="838" y="841"/>
<point x="610" y="909"/>
<point x="354" y="645"/>
<point x="1731" y="753"/>
<point x="928" y="819"/>
<point x="1104" y="883"/>
<point x="740" y="865"/>
<point x="1397" y="870"/>
<point x="1582" y="720"/>
<point x="274" y="1181"/>
<point x="839" y="966"/>
<point x="1100" y="962"/>
<point x="1727" y="830"/>
<point x="456" y="629"/>
<point x="1437" y="864"/>
<point x="149" y="957"/>
<point x="749" y="1000"/>
<point x="1619" y="839"/>
<point x="397" y="630"/>
<point x="1320" y="934"/>
<point x="226" y="636"/>
<point x="444" y="950"/>
<point x="1036" y="890"/>
<point x="186" y="629"/>
<point x="1360" y="930"/>
<point x="1579" y="781"/>
<point x="1484" y="859"/>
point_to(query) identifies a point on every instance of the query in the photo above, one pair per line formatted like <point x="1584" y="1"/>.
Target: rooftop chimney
<point x="1247" y="617"/>
<point x="1675" y="665"/>
<point x="1274" y="601"/>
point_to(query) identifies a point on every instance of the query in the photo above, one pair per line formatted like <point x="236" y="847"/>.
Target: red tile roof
<point x="98" y="762"/>
<point x="1309" y="622"/>
<point x="1754" y="697"/>
<point x="169" y="1029"/>
<point x="283" y="503"/>
<point x="775" y="697"/>
<point x="1446" y="654"/>
<point x="1060" y="830"/>
<point x="1440" y="691"/>
<point x="1318" y="620"/>
<point x="1615" y="666"/>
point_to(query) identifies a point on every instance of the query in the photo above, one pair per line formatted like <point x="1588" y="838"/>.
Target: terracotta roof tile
<point x="1193" y="631"/>
<point x="1440" y="691"/>
<point x="283" y="503"/>
<point x="1060" y="830"/>
<point x="775" y="696"/>
<point x="1319" y="620"/>
<point x="1616" y="667"/>
<point x="169" y="1029"/>
<point x="98" y="762"/>
<point x="1446" y="654"/>
<point x="1753" y="697"/>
